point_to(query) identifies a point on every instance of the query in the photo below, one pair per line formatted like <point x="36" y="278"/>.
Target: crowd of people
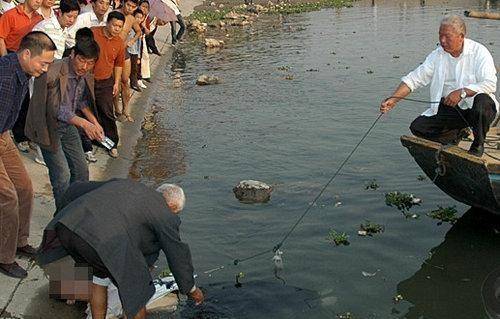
<point x="65" y="79"/>
<point x="66" y="71"/>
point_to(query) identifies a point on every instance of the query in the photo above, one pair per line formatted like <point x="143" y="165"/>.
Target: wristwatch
<point x="463" y="94"/>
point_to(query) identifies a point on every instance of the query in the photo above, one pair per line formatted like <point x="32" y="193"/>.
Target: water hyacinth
<point x="402" y="201"/>
<point x="448" y="214"/>
<point x="338" y="238"/>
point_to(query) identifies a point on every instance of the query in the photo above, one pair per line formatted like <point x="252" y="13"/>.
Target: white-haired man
<point x="462" y="76"/>
<point x="118" y="228"/>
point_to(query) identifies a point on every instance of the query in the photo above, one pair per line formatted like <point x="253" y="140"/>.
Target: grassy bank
<point x="211" y="11"/>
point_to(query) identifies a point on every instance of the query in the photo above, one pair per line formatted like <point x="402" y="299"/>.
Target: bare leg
<point x="99" y="301"/>
<point x="126" y="90"/>
<point x="116" y="101"/>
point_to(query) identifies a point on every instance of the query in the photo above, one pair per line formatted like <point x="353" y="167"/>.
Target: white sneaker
<point x="90" y="157"/>
<point x="39" y="157"/>
<point x="24" y="146"/>
<point x="141" y="84"/>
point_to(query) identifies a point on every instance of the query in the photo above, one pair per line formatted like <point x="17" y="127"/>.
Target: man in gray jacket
<point x="118" y="228"/>
<point x="52" y="119"/>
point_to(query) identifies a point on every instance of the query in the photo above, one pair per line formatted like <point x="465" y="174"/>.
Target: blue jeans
<point x="67" y="164"/>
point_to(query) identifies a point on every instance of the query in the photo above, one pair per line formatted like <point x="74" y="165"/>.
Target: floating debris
<point x="288" y="77"/>
<point x="448" y="214"/>
<point x="239" y="276"/>
<point x="402" y="201"/>
<point x="395" y="56"/>
<point x="312" y="70"/>
<point x="345" y="315"/>
<point x="338" y="204"/>
<point x="337" y="238"/>
<point x="165" y="273"/>
<point x="370" y="274"/>
<point x="369" y="228"/>
<point x="369" y="71"/>
<point x="421" y="178"/>
<point x="372" y="185"/>
<point x="284" y="68"/>
<point x="397" y="298"/>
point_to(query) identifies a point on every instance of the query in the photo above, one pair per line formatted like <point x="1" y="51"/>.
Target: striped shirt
<point x="53" y="29"/>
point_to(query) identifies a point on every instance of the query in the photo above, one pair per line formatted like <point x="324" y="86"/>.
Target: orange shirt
<point x="111" y="54"/>
<point x="15" y="24"/>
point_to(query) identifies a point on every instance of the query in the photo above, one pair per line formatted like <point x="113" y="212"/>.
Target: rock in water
<point x="207" y="80"/>
<point x="213" y="43"/>
<point x="197" y="26"/>
<point x="250" y="191"/>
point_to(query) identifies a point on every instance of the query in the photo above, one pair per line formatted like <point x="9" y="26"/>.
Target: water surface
<point x="293" y="134"/>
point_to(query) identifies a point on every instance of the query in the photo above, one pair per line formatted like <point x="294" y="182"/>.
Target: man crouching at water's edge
<point x="462" y="78"/>
<point x="118" y="228"/>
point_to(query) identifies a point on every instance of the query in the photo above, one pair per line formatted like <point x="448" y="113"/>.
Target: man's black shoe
<point x="476" y="150"/>
<point x="27" y="251"/>
<point x="13" y="270"/>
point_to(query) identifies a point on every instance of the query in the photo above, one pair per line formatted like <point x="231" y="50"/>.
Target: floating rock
<point x="213" y="43"/>
<point x="207" y="80"/>
<point x="197" y="26"/>
<point x="250" y="191"/>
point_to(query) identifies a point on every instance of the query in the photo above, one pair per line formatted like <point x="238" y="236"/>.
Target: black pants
<point x="150" y="42"/>
<point x="81" y="252"/>
<point x="135" y="67"/>
<point x="447" y="123"/>
<point x="105" y="109"/>
<point x="18" y="128"/>
<point x="182" y="27"/>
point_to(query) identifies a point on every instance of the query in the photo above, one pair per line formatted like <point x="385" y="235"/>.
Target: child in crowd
<point x="135" y="50"/>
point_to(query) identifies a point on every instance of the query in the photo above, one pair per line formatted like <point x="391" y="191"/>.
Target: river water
<point x="297" y="94"/>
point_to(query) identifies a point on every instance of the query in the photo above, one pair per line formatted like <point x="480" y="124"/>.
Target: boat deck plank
<point x="491" y="149"/>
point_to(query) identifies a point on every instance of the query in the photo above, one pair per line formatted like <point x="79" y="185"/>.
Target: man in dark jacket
<point x="52" y="119"/>
<point x="118" y="228"/>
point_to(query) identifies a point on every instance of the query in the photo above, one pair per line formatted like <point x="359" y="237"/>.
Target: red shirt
<point x="111" y="54"/>
<point x="15" y="24"/>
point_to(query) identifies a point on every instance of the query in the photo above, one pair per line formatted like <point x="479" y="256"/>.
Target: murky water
<point x="293" y="133"/>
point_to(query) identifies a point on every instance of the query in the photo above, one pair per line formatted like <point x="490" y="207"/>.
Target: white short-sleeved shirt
<point x="84" y="20"/>
<point x="58" y="34"/>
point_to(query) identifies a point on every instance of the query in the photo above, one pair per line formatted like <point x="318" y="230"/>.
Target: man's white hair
<point x="456" y="22"/>
<point x="173" y="194"/>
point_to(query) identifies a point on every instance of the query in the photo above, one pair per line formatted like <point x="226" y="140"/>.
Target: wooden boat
<point x="468" y="179"/>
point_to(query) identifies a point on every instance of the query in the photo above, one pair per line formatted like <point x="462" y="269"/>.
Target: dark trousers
<point x="447" y="123"/>
<point x="103" y="90"/>
<point x="18" y="128"/>
<point x="150" y="41"/>
<point x="182" y="27"/>
<point x="134" y="69"/>
<point x="67" y="164"/>
<point x="82" y="252"/>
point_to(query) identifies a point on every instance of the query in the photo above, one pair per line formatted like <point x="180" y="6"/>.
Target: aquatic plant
<point x="448" y="214"/>
<point x="290" y="8"/>
<point x="402" y="201"/>
<point x="372" y="185"/>
<point x="211" y="15"/>
<point x="421" y="178"/>
<point x="369" y="228"/>
<point x="338" y="238"/>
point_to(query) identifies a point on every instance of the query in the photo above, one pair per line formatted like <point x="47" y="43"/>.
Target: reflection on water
<point x="297" y="94"/>
<point x="451" y="280"/>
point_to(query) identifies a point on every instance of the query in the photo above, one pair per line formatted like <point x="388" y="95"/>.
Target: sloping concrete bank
<point x="29" y="298"/>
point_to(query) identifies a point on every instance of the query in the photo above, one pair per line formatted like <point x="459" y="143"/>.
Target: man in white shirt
<point x="462" y="78"/>
<point x="93" y="18"/>
<point x="57" y="26"/>
<point x="6" y="5"/>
